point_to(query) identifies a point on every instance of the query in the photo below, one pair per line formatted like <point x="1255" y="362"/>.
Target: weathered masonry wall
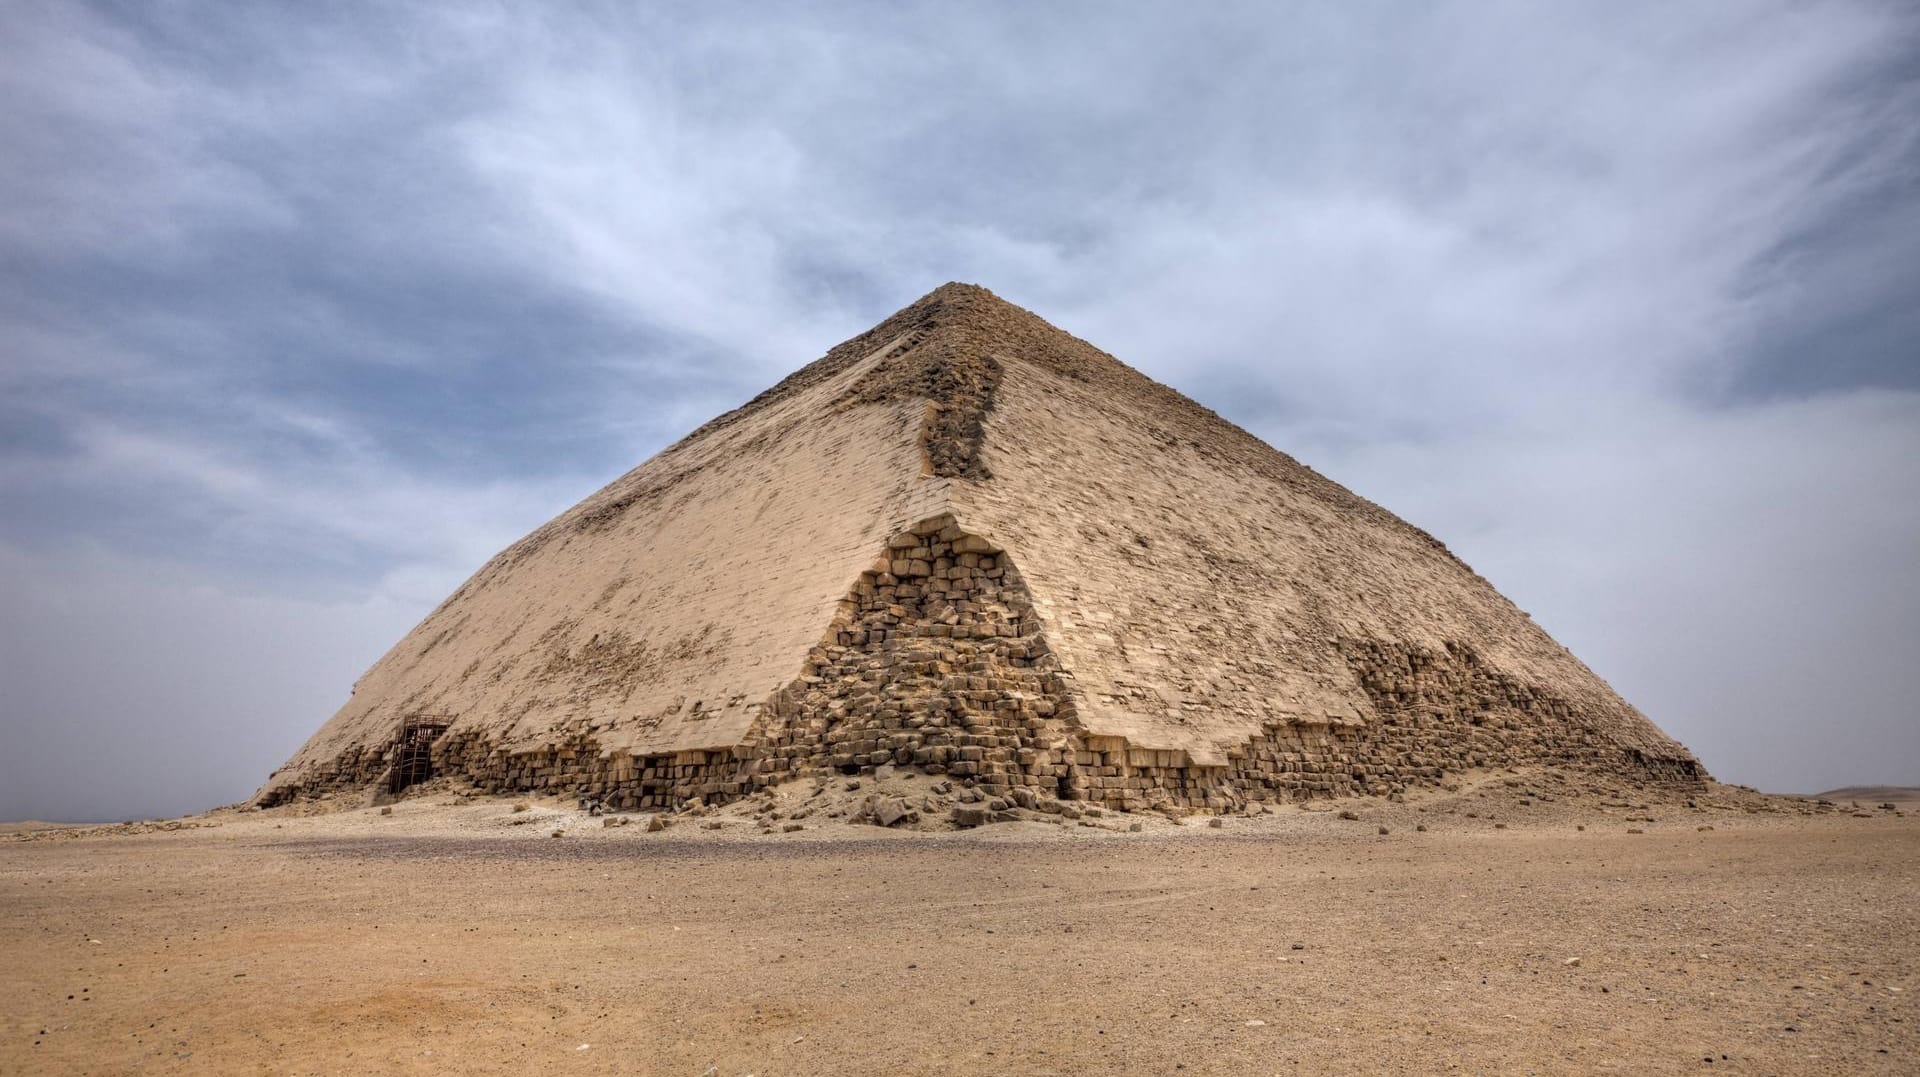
<point x="938" y="660"/>
<point x="1437" y="712"/>
<point x="1450" y="709"/>
<point x="576" y="767"/>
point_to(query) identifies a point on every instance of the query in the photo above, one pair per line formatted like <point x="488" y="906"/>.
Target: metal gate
<point x="413" y="751"/>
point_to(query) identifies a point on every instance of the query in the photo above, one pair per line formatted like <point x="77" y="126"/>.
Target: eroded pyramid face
<point x="969" y="542"/>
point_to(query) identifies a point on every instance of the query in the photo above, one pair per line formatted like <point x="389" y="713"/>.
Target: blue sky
<point x="305" y="310"/>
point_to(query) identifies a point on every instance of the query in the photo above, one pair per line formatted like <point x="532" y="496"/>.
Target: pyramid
<point x="968" y="542"/>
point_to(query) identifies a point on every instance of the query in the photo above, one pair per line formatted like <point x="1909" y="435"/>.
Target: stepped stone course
<point x="970" y="543"/>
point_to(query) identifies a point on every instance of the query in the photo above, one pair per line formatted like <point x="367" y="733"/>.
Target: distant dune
<point x="1873" y="792"/>
<point x="26" y="825"/>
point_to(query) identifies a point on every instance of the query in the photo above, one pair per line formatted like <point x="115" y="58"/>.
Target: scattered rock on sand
<point x="890" y="811"/>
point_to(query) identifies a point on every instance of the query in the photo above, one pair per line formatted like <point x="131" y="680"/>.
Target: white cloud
<point x="107" y="147"/>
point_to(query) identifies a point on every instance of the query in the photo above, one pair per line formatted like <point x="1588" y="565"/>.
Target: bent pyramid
<point x="968" y="541"/>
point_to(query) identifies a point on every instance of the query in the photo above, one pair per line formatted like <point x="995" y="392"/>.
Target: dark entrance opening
<point x="413" y="753"/>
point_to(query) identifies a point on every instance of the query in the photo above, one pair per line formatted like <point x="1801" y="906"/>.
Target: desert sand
<point x="1523" y="930"/>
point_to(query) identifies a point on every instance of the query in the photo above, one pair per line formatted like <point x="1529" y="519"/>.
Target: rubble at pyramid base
<point x="938" y="661"/>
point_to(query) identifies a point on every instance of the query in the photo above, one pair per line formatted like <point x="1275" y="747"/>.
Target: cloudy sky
<point x="307" y="309"/>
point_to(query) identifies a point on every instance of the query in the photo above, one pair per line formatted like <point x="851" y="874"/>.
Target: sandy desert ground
<point x="1524" y="930"/>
